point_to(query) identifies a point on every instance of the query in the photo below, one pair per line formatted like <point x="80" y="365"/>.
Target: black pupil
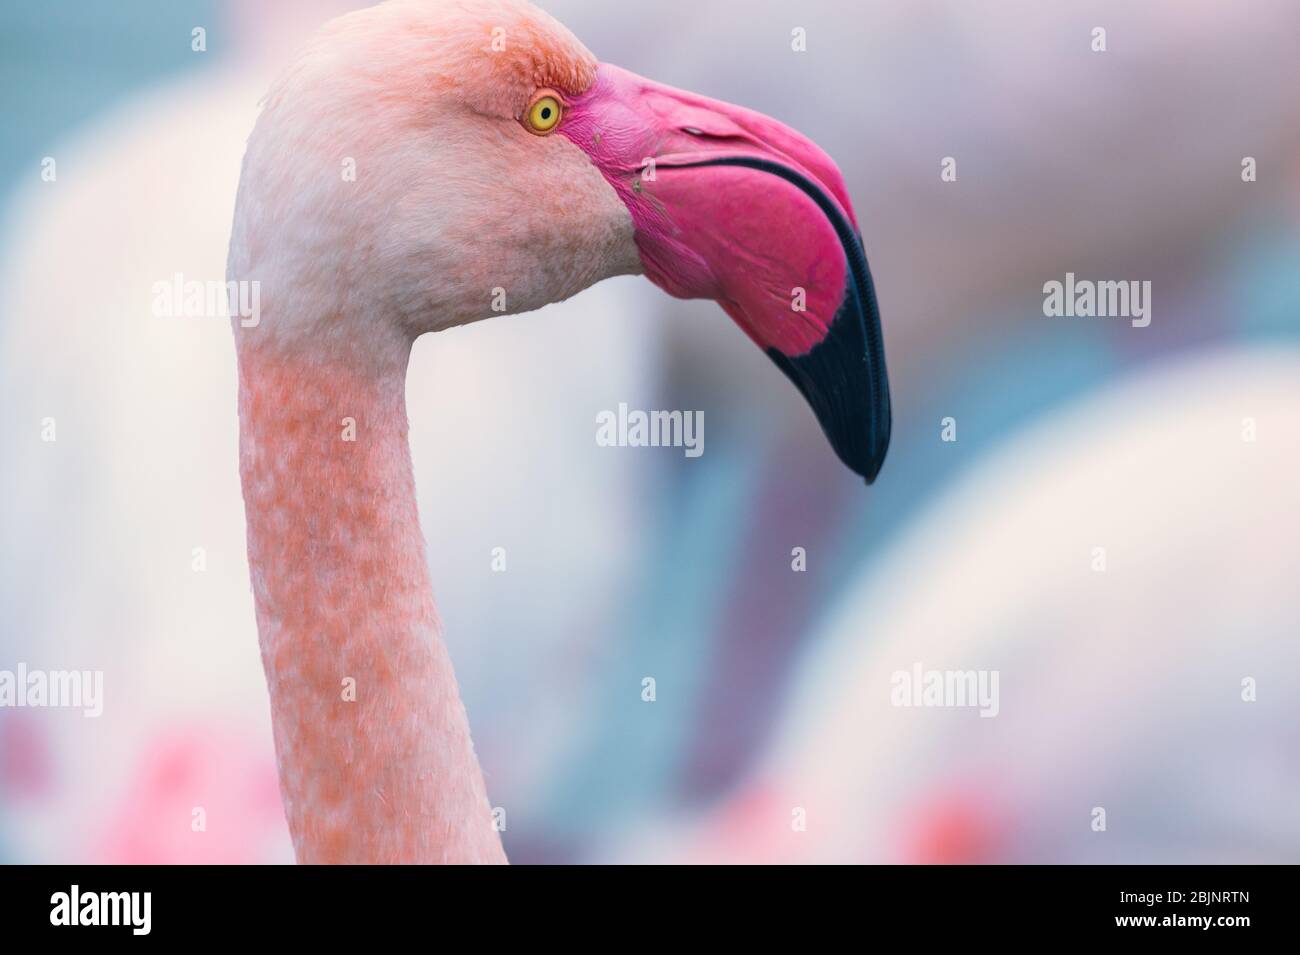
<point x="546" y="112"/>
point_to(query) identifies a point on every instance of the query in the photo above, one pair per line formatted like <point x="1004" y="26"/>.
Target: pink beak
<point x="731" y="205"/>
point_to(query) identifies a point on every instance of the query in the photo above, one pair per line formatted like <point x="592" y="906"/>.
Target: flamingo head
<point x="427" y="163"/>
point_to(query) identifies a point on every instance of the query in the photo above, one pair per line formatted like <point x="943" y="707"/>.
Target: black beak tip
<point x="872" y="470"/>
<point x="867" y="464"/>
<point x="847" y="390"/>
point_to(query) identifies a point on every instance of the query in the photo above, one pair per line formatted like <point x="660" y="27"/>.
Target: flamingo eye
<point x="544" y="114"/>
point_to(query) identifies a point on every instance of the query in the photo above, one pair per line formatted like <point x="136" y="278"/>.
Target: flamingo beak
<point x="732" y="205"/>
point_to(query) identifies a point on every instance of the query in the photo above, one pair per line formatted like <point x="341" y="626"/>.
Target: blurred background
<point x="772" y="737"/>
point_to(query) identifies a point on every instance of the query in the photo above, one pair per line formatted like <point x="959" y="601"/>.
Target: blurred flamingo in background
<point x="1141" y="688"/>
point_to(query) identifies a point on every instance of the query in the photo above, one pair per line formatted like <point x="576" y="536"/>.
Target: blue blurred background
<point x="772" y="736"/>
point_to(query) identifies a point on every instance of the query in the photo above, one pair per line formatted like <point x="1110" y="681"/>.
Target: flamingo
<point x="499" y="167"/>
<point x="1101" y="673"/>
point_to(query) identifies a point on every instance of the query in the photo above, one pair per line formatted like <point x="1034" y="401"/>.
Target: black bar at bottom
<point x="216" y="905"/>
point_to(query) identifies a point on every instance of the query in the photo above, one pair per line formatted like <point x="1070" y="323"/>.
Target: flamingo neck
<point x="371" y="737"/>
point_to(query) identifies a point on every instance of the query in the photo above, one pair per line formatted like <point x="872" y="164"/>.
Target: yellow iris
<point x="544" y="114"/>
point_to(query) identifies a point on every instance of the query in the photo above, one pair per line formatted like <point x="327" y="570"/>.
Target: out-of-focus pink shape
<point x="24" y="758"/>
<point x="953" y="828"/>
<point x="200" y="796"/>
